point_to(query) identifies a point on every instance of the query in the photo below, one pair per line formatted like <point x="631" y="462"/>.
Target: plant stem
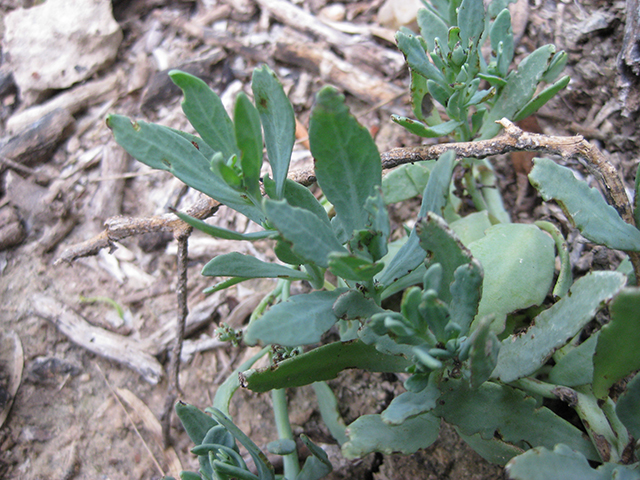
<point x="597" y="425"/>
<point x="281" y="413"/>
<point x="472" y="189"/>
<point x="586" y="405"/>
<point x="262" y="306"/>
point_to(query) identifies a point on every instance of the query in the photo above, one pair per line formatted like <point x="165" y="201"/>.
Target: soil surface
<point x="79" y="415"/>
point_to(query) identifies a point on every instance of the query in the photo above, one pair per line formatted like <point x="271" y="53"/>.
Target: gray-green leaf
<point x="278" y="121"/>
<point x="162" y="148"/>
<point x="237" y="265"/>
<point x="585" y="206"/>
<point x="310" y="237"/>
<point x="519" y="263"/>
<point x="617" y="353"/>
<point x="301" y="320"/>
<point x="370" y="434"/>
<point x="347" y="162"/>
<point x="522" y="355"/>
<point x="206" y="113"/>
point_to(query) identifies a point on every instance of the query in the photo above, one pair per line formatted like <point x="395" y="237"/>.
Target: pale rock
<point x="336" y="12"/>
<point x="394" y="14"/>
<point x="59" y="43"/>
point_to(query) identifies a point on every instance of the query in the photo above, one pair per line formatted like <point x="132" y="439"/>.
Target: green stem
<point x="620" y="431"/>
<point x="597" y="425"/>
<point x="536" y="387"/>
<point x="264" y="303"/>
<point x="585" y="403"/>
<point x="281" y="413"/>
<point x="565" y="278"/>
<point x="472" y="189"/>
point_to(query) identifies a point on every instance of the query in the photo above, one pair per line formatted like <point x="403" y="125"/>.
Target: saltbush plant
<point x="482" y="345"/>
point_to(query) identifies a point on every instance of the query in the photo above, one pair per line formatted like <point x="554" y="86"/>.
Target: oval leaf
<point x="519" y="263"/>
<point x="162" y="148"/>
<point x="301" y="320"/>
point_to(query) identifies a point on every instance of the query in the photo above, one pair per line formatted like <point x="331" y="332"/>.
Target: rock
<point x="394" y="14"/>
<point x="59" y="43"/>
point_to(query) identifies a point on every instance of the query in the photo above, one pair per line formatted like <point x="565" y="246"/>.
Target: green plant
<point x="469" y="283"/>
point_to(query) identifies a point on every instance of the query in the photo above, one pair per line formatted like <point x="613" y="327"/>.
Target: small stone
<point x="59" y="43"/>
<point x="335" y="12"/>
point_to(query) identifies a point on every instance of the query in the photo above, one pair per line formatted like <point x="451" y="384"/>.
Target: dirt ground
<point x="74" y="413"/>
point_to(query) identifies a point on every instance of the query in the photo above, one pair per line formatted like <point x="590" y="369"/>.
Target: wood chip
<point x="73" y="100"/>
<point x="112" y="346"/>
<point x="331" y="68"/>
<point x="11" y="365"/>
<point x="36" y="142"/>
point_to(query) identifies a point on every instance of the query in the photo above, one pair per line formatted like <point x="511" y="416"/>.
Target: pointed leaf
<point x="416" y="57"/>
<point x="248" y="132"/>
<point x="617" y="350"/>
<point x="540" y="99"/>
<point x="301" y="320"/>
<point x="520" y="87"/>
<point x="422" y="130"/>
<point x="347" y="162"/>
<point x="237" y="265"/>
<point x="522" y="355"/>
<point x="370" y="434"/>
<point x="309" y="236"/>
<point x="194" y="421"/>
<point x="576" y="367"/>
<point x="206" y="113"/>
<point x="219" y="232"/>
<point x="434" y="199"/>
<point x="278" y="121"/>
<point x="585" y="206"/>
<point x="321" y="364"/>
<point x="161" y="148"/>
